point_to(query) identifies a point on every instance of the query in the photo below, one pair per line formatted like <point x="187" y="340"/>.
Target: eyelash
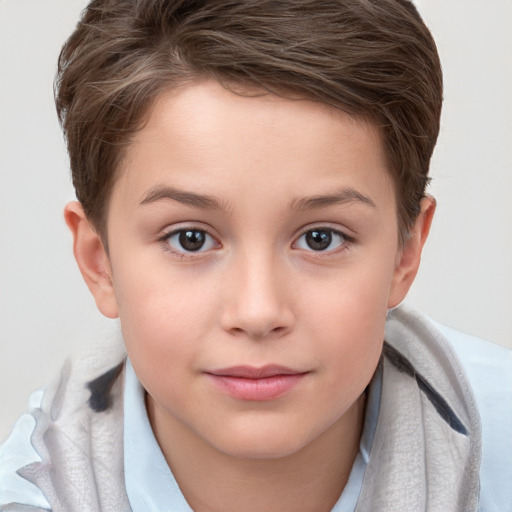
<point x="344" y="241"/>
<point x="184" y="253"/>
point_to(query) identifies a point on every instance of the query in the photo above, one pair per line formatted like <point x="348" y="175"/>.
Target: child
<point x="251" y="183"/>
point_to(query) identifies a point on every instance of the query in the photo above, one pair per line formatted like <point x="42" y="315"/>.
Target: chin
<point x="259" y="444"/>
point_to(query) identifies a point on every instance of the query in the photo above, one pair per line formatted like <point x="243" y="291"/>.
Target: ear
<point x="408" y="260"/>
<point x="92" y="259"/>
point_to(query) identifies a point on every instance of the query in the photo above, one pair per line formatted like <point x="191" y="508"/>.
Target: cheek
<point x="347" y="317"/>
<point x="353" y="298"/>
<point x="164" y="316"/>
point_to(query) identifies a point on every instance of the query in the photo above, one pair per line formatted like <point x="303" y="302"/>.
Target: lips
<point x="256" y="383"/>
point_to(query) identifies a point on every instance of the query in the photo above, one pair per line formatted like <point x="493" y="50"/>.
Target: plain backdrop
<point x="46" y="311"/>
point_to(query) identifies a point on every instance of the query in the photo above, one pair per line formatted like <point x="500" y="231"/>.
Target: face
<point x="253" y="254"/>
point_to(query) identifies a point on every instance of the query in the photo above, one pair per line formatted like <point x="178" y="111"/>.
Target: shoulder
<point x="488" y="369"/>
<point x="49" y="450"/>
<point x="487" y="364"/>
<point x="17" y="452"/>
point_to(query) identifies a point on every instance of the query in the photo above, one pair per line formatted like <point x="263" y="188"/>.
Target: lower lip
<point x="258" y="390"/>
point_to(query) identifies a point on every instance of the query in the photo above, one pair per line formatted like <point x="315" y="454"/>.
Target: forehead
<point x="202" y="105"/>
<point x="205" y="137"/>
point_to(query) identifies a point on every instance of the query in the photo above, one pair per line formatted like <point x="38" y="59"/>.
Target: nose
<point x="257" y="304"/>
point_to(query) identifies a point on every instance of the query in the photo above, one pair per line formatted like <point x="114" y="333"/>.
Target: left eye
<point x="320" y="240"/>
<point x="190" y="240"/>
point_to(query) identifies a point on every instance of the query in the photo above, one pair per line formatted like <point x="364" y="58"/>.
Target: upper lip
<point x="255" y="372"/>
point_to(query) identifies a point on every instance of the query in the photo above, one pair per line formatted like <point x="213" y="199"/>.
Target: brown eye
<point x="318" y="240"/>
<point x="321" y="240"/>
<point x="190" y="240"/>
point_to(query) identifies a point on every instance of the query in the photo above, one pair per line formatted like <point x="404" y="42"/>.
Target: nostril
<point x="260" y="334"/>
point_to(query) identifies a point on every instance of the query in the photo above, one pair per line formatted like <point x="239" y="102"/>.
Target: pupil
<point x="192" y="240"/>
<point x="318" y="240"/>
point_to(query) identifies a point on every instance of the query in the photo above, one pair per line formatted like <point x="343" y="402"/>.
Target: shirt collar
<point x="150" y="485"/>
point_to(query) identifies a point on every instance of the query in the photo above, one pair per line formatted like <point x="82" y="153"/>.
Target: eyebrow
<point x="161" y="192"/>
<point x="206" y="202"/>
<point x="345" y="195"/>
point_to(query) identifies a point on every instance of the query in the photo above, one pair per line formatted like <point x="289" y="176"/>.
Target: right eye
<point x="190" y="240"/>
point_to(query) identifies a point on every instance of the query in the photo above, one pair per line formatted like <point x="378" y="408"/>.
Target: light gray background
<point x="45" y="309"/>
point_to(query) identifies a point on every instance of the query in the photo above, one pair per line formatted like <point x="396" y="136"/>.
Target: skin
<point x="271" y="170"/>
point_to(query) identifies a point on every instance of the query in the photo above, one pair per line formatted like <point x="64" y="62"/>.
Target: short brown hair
<point x="371" y="58"/>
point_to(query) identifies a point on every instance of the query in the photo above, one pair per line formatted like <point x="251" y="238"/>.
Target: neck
<point x="310" y="479"/>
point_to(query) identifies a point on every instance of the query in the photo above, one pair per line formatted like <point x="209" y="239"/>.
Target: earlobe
<point x="408" y="260"/>
<point x="92" y="259"/>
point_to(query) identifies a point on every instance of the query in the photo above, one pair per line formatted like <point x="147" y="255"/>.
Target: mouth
<point x="256" y="383"/>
